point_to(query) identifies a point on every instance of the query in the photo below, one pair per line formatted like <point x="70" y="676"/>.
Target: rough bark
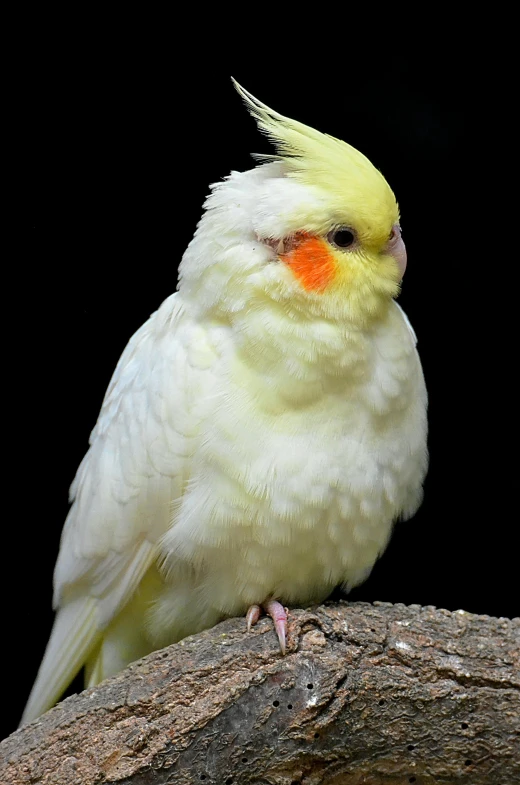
<point x="366" y="694"/>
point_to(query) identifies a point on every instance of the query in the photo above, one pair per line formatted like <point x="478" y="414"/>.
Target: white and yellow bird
<point x="263" y="429"/>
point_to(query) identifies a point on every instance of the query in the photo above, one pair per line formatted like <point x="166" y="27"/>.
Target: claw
<point x="279" y="616"/>
<point x="277" y="613"/>
<point x="252" y="616"/>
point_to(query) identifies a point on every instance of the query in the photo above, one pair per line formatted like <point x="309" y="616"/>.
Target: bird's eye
<point x="341" y="238"/>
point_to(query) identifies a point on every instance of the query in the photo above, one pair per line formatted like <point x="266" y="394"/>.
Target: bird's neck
<point x="297" y="358"/>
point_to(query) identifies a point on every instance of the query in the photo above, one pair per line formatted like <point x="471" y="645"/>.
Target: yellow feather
<point x="357" y="192"/>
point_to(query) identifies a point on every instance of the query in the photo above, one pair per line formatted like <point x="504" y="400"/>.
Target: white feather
<point x="74" y="633"/>
<point x="121" y="503"/>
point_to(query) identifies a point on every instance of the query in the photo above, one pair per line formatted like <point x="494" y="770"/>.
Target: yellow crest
<point x="355" y="189"/>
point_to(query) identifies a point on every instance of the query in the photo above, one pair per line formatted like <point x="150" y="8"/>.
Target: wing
<point x="407" y="322"/>
<point x="122" y="495"/>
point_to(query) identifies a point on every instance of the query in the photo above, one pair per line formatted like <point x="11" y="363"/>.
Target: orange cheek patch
<point x="311" y="262"/>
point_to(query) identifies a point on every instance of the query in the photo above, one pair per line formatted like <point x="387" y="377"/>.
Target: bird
<point x="262" y="431"/>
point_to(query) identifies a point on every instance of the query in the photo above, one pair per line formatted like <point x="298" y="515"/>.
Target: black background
<point x="115" y="143"/>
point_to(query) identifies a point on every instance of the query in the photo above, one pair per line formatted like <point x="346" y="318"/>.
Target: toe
<point x="252" y="616"/>
<point x="279" y="616"/>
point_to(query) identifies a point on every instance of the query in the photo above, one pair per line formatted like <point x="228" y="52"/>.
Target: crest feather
<point x="321" y="160"/>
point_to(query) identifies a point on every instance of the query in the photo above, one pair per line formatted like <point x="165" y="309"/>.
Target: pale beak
<point x="395" y="247"/>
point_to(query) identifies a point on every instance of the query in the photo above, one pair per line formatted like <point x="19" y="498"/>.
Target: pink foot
<point x="277" y="613"/>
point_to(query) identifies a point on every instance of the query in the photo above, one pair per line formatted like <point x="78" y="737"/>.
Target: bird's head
<point x="315" y="228"/>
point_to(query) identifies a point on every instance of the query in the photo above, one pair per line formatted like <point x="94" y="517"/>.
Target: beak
<point x="395" y="247"/>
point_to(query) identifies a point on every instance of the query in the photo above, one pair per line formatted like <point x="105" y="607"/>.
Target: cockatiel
<point x="263" y="429"/>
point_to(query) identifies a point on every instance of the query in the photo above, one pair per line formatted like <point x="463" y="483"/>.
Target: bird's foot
<point x="277" y="613"/>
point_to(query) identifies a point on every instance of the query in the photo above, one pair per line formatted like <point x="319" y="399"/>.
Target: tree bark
<point x="366" y="694"/>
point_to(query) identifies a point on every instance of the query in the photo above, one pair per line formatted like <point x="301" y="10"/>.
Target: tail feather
<point x="74" y="635"/>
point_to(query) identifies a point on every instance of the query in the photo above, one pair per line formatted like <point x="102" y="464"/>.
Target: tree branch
<point x="366" y="694"/>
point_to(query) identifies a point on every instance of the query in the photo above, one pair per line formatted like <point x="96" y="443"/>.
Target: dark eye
<point x="341" y="238"/>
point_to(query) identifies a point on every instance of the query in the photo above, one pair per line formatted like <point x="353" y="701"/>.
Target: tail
<point x="74" y="635"/>
<point x="79" y="639"/>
